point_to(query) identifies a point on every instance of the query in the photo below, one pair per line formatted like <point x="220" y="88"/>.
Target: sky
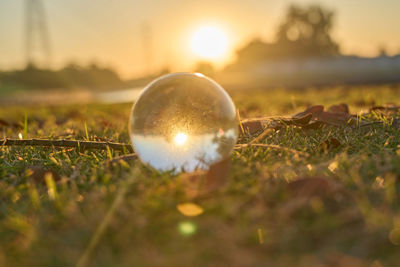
<point x="137" y="37"/>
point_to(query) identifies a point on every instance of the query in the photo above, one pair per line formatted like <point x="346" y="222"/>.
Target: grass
<point x="63" y="206"/>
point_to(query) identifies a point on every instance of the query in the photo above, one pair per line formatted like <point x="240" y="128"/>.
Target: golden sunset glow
<point x="149" y="36"/>
<point x="210" y="43"/>
<point x="180" y="139"/>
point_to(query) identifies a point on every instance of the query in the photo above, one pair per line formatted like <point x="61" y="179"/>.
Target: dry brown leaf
<point x="3" y="123"/>
<point x="335" y="119"/>
<point x="200" y="183"/>
<point x="313" y="125"/>
<point x="216" y="175"/>
<point x="337" y="115"/>
<point x="389" y="107"/>
<point x="340" y="108"/>
<point x="304" y="120"/>
<point x="298" y="121"/>
<point x="252" y="127"/>
<point x="314" y="110"/>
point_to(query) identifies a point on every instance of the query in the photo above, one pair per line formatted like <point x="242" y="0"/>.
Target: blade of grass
<point x="240" y="121"/>
<point x="110" y="157"/>
<point x="25" y="126"/>
<point x="84" y="259"/>
<point x="66" y="143"/>
<point x="241" y="146"/>
<point x="86" y="132"/>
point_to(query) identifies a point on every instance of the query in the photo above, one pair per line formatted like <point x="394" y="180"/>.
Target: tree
<point x="307" y="32"/>
<point x="205" y="67"/>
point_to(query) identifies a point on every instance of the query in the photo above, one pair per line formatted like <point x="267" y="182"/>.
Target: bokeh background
<point x="56" y="47"/>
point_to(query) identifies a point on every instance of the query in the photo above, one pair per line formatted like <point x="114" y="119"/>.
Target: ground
<point x="328" y="205"/>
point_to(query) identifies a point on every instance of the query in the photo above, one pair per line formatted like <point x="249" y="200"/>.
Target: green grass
<point x="255" y="219"/>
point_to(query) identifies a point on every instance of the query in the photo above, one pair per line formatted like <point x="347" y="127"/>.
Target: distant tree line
<point x="305" y="32"/>
<point x="71" y="76"/>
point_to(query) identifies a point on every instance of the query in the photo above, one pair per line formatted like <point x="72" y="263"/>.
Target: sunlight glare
<point x="209" y="42"/>
<point x="180" y="139"/>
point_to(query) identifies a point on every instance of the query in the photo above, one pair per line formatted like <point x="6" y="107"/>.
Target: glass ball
<point x="183" y="122"/>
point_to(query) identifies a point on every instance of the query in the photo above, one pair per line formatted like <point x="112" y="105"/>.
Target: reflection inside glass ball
<point x="180" y="139"/>
<point x="183" y="122"/>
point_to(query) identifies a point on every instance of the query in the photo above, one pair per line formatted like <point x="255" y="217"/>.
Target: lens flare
<point x="187" y="228"/>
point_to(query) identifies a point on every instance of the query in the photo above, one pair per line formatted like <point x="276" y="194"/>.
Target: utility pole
<point x="36" y="33"/>
<point x="147" y="48"/>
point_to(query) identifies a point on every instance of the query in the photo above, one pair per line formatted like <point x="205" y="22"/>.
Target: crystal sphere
<point x="183" y="122"/>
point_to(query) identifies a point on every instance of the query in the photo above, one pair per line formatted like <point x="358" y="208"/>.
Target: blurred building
<point x="314" y="71"/>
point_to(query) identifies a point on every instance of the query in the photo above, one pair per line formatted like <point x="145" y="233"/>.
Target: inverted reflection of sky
<point x="198" y="152"/>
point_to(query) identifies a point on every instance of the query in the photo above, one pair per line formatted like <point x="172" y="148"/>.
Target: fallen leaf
<point x="200" y="183"/>
<point x="3" y="123"/>
<point x="335" y="119"/>
<point x="192" y="182"/>
<point x="190" y="209"/>
<point x="340" y="108"/>
<point x="388" y="107"/>
<point x="252" y="127"/>
<point x="303" y="120"/>
<point x="216" y="175"/>
<point x="313" y="125"/>
<point x="300" y="121"/>
<point x="337" y="115"/>
<point x="313" y="110"/>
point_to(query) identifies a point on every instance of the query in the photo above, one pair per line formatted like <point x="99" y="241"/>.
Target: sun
<point x="180" y="139"/>
<point x="209" y="42"/>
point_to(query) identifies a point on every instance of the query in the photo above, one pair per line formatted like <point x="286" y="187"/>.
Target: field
<point x="322" y="197"/>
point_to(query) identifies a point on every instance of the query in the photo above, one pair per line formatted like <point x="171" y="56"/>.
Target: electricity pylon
<point x="147" y="47"/>
<point x="36" y="33"/>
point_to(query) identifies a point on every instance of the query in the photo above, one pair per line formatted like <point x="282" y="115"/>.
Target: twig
<point x="240" y="121"/>
<point x="264" y="134"/>
<point x="126" y="157"/>
<point x="66" y="143"/>
<point x="264" y="119"/>
<point x="241" y="146"/>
